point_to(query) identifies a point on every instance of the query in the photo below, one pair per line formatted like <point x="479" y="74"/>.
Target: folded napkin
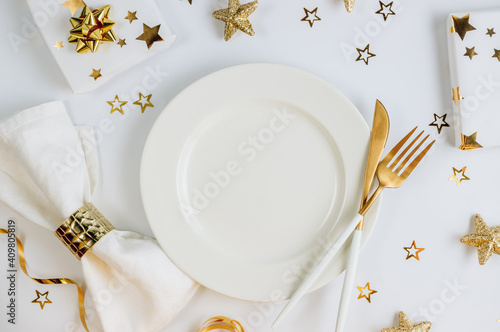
<point x="48" y="170"/>
<point x="474" y="53"/>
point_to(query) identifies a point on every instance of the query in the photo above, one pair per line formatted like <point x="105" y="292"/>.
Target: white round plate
<point x="247" y="170"/>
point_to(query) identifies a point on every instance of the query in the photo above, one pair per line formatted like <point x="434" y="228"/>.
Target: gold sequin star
<point x="461" y="25"/>
<point x="42" y="299"/>
<point x="73" y="5"/>
<point x="150" y="35"/>
<point x="413" y="251"/>
<point x="486" y="239"/>
<point x="439" y="122"/>
<point x="236" y="17"/>
<point x="365" y="54"/>
<point x="406" y="325"/>
<point x="349" y="5"/>
<point x="131" y="16"/>
<point x="144" y="101"/>
<point x="59" y="45"/>
<point x="459" y="172"/>
<point x="470" y="52"/>
<point x="456" y="95"/>
<point x="385" y="10"/>
<point x="366" y="292"/>
<point x="491" y="32"/>
<point x="96" y="73"/>
<point x="469" y="142"/>
<point x="311" y="16"/>
<point x="121" y="42"/>
<point x="116" y="105"/>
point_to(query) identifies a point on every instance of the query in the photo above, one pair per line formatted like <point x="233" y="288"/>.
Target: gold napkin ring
<point x="83" y="229"/>
<point x="221" y="323"/>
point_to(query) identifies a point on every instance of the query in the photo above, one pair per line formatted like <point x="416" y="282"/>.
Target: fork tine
<point x="398" y="146"/>
<point x="415" y="162"/>
<point x="405" y="151"/>
<point x="400" y="167"/>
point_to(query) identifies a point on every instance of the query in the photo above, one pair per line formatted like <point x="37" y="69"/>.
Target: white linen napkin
<point x="47" y="171"/>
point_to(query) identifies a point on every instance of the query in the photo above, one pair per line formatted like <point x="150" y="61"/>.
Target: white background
<point x="409" y="75"/>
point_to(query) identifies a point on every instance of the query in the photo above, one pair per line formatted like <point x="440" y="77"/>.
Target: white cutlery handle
<point x="320" y="266"/>
<point x="350" y="275"/>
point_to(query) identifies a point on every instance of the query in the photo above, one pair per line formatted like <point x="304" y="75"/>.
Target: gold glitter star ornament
<point x="236" y="17"/>
<point x="406" y="325"/>
<point x="91" y="28"/>
<point x="486" y="239"/>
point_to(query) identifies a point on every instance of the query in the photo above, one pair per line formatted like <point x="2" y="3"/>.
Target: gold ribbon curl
<point x="66" y="281"/>
<point x="222" y="323"/>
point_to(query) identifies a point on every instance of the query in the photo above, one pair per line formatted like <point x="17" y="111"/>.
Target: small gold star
<point x="461" y="26"/>
<point x="491" y="32"/>
<point x="236" y="17"/>
<point x="457" y="172"/>
<point x="486" y="239"/>
<point x="349" y="5"/>
<point x="413" y="251"/>
<point x="311" y="16"/>
<point x="439" y="122"/>
<point x="469" y="142"/>
<point x="365" y="54"/>
<point x="44" y="301"/>
<point x="366" y="292"/>
<point x="150" y="35"/>
<point x="406" y="325"/>
<point x="121" y="42"/>
<point x="95" y="74"/>
<point x="73" y="5"/>
<point x="131" y="16"/>
<point x="456" y="95"/>
<point x="142" y="103"/>
<point x="385" y="10"/>
<point x="190" y="2"/>
<point x="116" y="105"/>
<point x="470" y="52"/>
<point x="59" y="45"/>
<point x="497" y="54"/>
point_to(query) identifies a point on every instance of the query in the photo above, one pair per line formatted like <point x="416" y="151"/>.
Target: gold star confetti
<point x="150" y="35"/>
<point x="461" y="26"/>
<point x="469" y="142"/>
<point x="59" y="45"/>
<point x="311" y="16"/>
<point x="365" y="54"/>
<point x="349" y="5"/>
<point x="95" y="74"/>
<point x="491" y="32"/>
<point x="121" y="42"/>
<point x="486" y="239"/>
<point x="144" y="101"/>
<point x="131" y="16"/>
<point x="456" y="95"/>
<point x="439" y="122"/>
<point x="42" y="299"/>
<point x="74" y="5"/>
<point x="116" y="105"/>
<point x="470" y="52"/>
<point x="497" y="54"/>
<point x="190" y="2"/>
<point x="236" y="17"/>
<point x="366" y="292"/>
<point x="406" y="325"/>
<point x="413" y="251"/>
<point x="385" y="10"/>
<point x="459" y="172"/>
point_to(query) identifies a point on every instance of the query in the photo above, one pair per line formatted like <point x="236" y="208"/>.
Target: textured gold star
<point x="439" y="122"/>
<point x="497" y="54"/>
<point x="116" y="105"/>
<point x="413" y="251"/>
<point x="95" y="74"/>
<point x="406" y="325"/>
<point x="486" y="239"/>
<point x="121" y="42"/>
<point x="385" y="10"/>
<point x="365" y="54"/>
<point x="461" y="25"/>
<point x="236" y="17"/>
<point x="73" y="5"/>
<point x="456" y="95"/>
<point x="59" y="45"/>
<point x="144" y="101"/>
<point x="470" y="52"/>
<point x="366" y="292"/>
<point x="311" y="16"/>
<point x="42" y="299"/>
<point x="491" y="32"/>
<point x="469" y="142"/>
<point x="349" y="5"/>
<point x="457" y="172"/>
<point x="150" y="35"/>
<point x="131" y="16"/>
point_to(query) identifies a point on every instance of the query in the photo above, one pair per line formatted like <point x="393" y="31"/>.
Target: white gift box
<point x="474" y="53"/>
<point x="111" y="59"/>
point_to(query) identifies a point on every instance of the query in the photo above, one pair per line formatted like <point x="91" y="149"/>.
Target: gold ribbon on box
<point x="222" y="323"/>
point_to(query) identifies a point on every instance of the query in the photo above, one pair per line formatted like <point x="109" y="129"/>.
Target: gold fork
<point x="391" y="173"/>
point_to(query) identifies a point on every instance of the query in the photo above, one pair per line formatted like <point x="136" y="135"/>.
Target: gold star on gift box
<point x="96" y="73"/>
<point x="131" y="16"/>
<point x="469" y="142"/>
<point x="486" y="239"/>
<point x="236" y="17"/>
<point x="311" y="16"/>
<point x="73" y="5"/>
<point x="121" y="42"/>
<point x="366" y="292"/>
<point x="456" y="95"/>
<point x="116" y="105"/>
<point x="470" y="52"/>
<point x="150" y="35"/>
<point x="144" y="101"/>
<point x="59" y="45"/>
<point x="406" y="325"/>
<point x="42" y="299"/>
<point x="461" y="25"/>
